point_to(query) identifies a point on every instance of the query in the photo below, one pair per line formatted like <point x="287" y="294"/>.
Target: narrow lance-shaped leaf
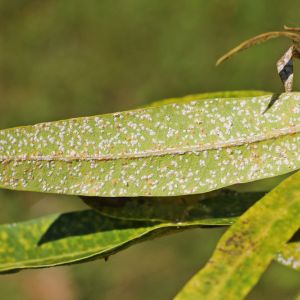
<point x="79" y="236"/>
<point x="168" y="150"/>
<point x="214" y="208"/>
<point x="247" y="248"/>
<point x="221" y="207"/>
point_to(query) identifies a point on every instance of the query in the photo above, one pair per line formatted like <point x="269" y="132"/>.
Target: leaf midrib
<point x="278" y="133"/>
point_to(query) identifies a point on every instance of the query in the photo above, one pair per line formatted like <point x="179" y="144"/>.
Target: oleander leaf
<point x="85" y="235"/>
<point x="168" y="150"/>
<point x="66" y="238"/>
<point x="79" y="236"/>
<point x="214" y="208"/>
<point x="221" y="207"/>
<point x="247" y="248"/>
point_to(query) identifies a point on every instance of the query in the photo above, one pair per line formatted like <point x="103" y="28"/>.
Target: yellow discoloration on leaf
<point x="247" y="248"/>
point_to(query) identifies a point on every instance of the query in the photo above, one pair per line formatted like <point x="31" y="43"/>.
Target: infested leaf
<point x="174" y="149"/>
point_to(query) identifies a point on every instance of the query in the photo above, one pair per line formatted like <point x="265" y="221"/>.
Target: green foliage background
<point x="62" y="59"/>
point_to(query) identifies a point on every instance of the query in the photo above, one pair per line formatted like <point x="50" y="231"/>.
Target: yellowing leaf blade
<point x="247" y="248"/>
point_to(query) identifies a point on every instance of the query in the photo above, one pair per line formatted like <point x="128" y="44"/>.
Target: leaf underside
<point x="191" y="147"/>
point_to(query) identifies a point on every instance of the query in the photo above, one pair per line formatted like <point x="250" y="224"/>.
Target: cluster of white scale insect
<point x="178" y="148"/>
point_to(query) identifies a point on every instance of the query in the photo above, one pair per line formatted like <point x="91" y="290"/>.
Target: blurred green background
<point x="63" y="58"/>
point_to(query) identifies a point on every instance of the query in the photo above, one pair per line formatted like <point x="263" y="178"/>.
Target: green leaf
<point x="168" y="150"/>
<point x="119" y="223"/>
<point x="79" y="236"/>
<point x="66" y="238"/>
<point x="214" y="208"/>
<point x="221" y="207"/>
<point x="247" y="248"/>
